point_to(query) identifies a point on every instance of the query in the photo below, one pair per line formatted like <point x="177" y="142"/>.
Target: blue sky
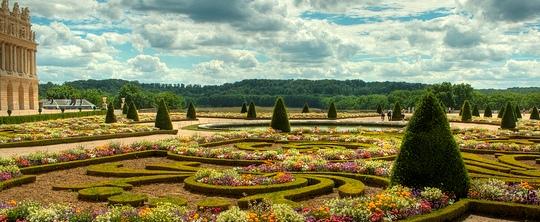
<point x="485" y="43"/>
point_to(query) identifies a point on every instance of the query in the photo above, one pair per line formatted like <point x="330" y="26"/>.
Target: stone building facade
<point x="18" y="74"/>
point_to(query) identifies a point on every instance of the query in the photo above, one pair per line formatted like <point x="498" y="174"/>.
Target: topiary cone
<point x="110" y="117"/>
<point x="244" y="108"/>
<point x="466" y="114"/>
<point x="508" y="120"/>
<point x="429" y="156"/>
<point x="396" y="112"/>
<point x="501" y="112"/>
<point x="534" y="114"/>
<point x="132" y="112"/>
<point x="252" y="113"/>
<point x="518" y="112"/>
<point x="306" y="108"/>
<point x="475" y="111"/>
<point x="487" y="112"/>
<point x="125" y="109"/>
<point x="332" y="113"/>
<point x="379" y="109"/>
<point x="280" y="118"/>
<point x="163" y="119"/>
<point x="191" y="113"/>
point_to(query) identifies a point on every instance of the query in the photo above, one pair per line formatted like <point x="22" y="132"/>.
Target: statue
<point x="5" y="5"/>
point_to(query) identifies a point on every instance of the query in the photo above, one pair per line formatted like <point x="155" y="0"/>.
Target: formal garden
<point x="420" y="170"/>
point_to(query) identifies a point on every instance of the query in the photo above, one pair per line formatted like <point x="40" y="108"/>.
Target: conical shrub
<point x="110" y="117"/>
<point x="125" y="109"/>
<point x="132" y="112"/>
<point x="332" y="112"/>
<point x="280" y="118"/>
<point x="501" y="112"/>
<point x="163" y="119"/>
<point x="306" y="108"/>
<point x="429" y="156"/>
<point x="534" y="114"/>
<point x="379" y="109"/>
<point x="517" y="112"/>
<point x="475" y="111"/>
<point x="509" y="119"/>
<point x="487" y="112"/>
<point x="191" y="113"/>
<point x="396" y="112"/>
<point x="252" y="113"/>
<point x="244" y="108"/>
<point x="466" y="114"/>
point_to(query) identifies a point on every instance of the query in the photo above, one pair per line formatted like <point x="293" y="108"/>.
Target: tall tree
<point x="427" y="149"/>
<point x="280" y="118"/>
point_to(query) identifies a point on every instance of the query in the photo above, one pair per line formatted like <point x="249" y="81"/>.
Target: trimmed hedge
<point x="177" y="166"/>
<point x="244" y="108"/>
<point x="306" y="108"/>
<point x="475" y="111"/>
<point x="85" y="138"/>
<point x="517" y="112"/>
<point x="466" y="114"/>
<point x="127" y="198"/>
<point x="332" y="112"/>
<point x="487" y="112"/>
<point x="501" y="112"/>
<point x="317" y="186"/>
<point x="191" y="113"/>
<point x="110" y="117"/>
<point x="214" y="202"/>
<point x="45" y="117"/>
<point x="251" y="113"/>
<point x="126" y="183"/>
<point x="534" y="114"/>
<point x="99" y="193"/>
<point x="238" y="191"/>
<point x="17" y="181"/>
<point x="509" y="119"/>
<point x="347" y="187"/>
<point x="513" y="160"/>
<point x="396" y="112"/>
<point x="163" y="119"/>
<point x="117" y="170"/>
<point x="226" y="162"/>
<point x="133" y="114"/>
<point x="87" y="162"/>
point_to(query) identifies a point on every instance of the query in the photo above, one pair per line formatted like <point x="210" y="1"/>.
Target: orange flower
<point x="12" y="203"/>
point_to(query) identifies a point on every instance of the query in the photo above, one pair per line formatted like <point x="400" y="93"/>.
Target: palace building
<point x="18" y="76"/>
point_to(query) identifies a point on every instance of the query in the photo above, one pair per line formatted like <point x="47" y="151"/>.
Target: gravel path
<point x="6" y="152"/>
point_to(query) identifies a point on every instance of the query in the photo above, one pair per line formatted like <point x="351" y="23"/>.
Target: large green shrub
<point x="487" y="111"/>
<point x="133" y="114"/>
<point x="306" y="108"/>
<point x="332" y="113"/>
<point x="396" y="112"/>
<point x="509" y="119"/>
<point x="534" y="114"/>
<point x="280" y="118"/>
<point x="163" y="120"/>
<point x="191" y="113"/>
<point x="475" y="111"/>
<point x="501" y="112"/>
<point x="517" y="112"/>
<point x="252" y="113"/>
<point x="244" y="108"/>
<point x="110" y="117"/>
<point x="466" y="114"/>
<point x="429" y="156"/>
<point x="379" y="109"/>
<point x="125" y="109"/>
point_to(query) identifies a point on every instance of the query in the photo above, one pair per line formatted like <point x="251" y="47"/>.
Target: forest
<point x="347" y="94"/>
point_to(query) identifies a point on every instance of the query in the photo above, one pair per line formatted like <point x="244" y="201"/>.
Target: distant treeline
<point x="347" y="94"/>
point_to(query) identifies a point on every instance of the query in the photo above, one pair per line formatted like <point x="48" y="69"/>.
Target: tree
<point x="501" y="112"/>
<point x="163" y="120"/>
<point x="125" y="109"/>
<point x="332" y="113"/>
<point x="252" y="113"/>
<point x="306" y="108"/>
<point x="518" y="112"/>
<point x="534" y="114"/>
<point x="379" y="109"/>
<point x="110" y="117"/>
<point x="191" y="113"/>
<point x="172" y="100"/>
<point x="509" y="119"/>
<point x="466" y="114"/>
<point x="427" y="150"/>
<point x="244" y="108"/>
<point x="396" y="113"/>
<point x="487" y="111"/>
<point x="280" y="118"/>
<point x="475" y="111"/>
<point x="133" y="114"/>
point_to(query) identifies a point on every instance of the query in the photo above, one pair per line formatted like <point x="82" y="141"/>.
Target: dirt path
<point x="181" y="132"/>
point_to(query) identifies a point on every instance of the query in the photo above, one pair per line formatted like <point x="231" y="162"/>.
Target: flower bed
<point x="498" y="190"/>
<point x="65" y="128"/>
<point x="9" y="172"/>
<point x="231" y="177"/>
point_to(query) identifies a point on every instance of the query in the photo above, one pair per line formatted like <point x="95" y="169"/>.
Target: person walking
<point x="389" y="115"/>
<point x="382" y="116"/>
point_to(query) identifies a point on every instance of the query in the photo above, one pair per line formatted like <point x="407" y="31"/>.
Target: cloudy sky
<point x="488" y="43"/>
